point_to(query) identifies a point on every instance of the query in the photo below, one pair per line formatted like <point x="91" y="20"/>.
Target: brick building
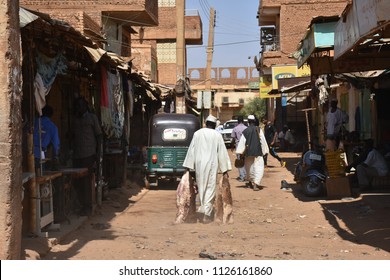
<point x="109" y="23"/>
<point x="233" y="87"/>
<point x="162" y="40"/>
<point x="283" y="23"/>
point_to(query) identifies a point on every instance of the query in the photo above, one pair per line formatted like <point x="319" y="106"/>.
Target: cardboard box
<point x="337" y="188"/>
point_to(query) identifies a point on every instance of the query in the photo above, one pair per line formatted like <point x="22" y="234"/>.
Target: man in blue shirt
<point x="236" y="136"/>
<point x="48" y="135"/>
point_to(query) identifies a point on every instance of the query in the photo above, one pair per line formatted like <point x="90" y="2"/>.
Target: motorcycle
<point x="310" y="173"/>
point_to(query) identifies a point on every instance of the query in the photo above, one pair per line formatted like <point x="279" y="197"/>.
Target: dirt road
<point x="137" y="224"/>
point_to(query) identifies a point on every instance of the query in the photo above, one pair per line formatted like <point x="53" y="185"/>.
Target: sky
<point x="236" y="37"/>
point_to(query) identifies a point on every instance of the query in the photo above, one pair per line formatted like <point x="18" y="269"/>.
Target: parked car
<point x="227" y="131"/>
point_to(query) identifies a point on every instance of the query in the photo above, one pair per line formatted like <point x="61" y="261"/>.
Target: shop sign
<point x="283" y="72"/>
<point x="265" y="86"/>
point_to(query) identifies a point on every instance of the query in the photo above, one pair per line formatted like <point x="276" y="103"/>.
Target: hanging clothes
<point x="112" y="106"/>
<point x="47" y="70"/>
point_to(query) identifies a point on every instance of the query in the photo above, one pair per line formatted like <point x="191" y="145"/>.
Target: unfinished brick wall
<point x="167" y="73"/>
<point x="225" y="75"/>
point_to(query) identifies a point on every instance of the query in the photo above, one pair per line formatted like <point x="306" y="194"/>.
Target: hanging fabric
<point x="112" y="106"/>
<point x="47" y="70"/>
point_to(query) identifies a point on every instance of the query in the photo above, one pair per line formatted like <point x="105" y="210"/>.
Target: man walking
<point x="254" y="147"/>
<point x="236" y="136"/>
<point x="271" y="134"/>
<point x="206" y="154"/>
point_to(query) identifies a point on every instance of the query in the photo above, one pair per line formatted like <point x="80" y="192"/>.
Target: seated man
<point x="369" y="165"/>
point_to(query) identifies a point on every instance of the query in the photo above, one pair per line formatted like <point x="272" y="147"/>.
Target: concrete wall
<point x="10" y="132"/>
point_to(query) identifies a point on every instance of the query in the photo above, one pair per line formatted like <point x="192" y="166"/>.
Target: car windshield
<point x="230" y="125"/>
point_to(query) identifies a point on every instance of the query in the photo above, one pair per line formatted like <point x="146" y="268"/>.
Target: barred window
<point x="167" y="3"/>
<point x="166" y="53"/>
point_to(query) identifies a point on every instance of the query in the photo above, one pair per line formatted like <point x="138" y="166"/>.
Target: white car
<point x="227" y="131"/>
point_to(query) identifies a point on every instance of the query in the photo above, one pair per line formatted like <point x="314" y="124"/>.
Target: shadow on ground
<point x="362" y="218"/>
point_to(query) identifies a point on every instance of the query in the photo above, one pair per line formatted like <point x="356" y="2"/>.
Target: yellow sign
<point x="265" y="86"/>
<point x="304" y="71"/>
<point x="283" y="72"/>
<point x="267" y="83"/>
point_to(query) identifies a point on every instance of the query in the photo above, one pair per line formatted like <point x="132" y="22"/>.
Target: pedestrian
<point x="289" y="139"/>
<point x="219" y="126"/>
<point x="236" y="136"/>
<point x="87" y="150"/>
<point x="282" y="145"/>
<point x="369" y="165"/>
<point x="335" y="119"/>
<point x="271" y="134"/>
<point x="206" y="155"/>
<point x="253" y="144"/>
<point x="45" y="134"/>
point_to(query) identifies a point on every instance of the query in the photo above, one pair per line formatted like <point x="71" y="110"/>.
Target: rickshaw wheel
<point x="146" y="182"/>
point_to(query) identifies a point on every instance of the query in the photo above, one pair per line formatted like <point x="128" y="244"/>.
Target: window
<point x="166" y="52"/>
<point x="241" y="101"/>
<point x="166" y="3"/>
<point x="225" y="100"/>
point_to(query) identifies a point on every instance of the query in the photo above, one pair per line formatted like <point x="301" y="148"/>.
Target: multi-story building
<point x="283" y="23"/>
<point x="162" y="39"/>
<point x="108" y="23"/>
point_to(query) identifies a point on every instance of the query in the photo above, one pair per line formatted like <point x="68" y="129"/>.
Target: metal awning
<point x="26" y="17"/>
<point x="363" y="27"/>
<point x="294" y="84"/>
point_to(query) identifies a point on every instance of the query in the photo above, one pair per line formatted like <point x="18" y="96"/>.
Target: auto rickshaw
<point x="169" y="138"/>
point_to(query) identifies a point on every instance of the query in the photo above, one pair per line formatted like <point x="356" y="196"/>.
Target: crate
<point x="335" y="163"/>
<point x="337" y="188"/>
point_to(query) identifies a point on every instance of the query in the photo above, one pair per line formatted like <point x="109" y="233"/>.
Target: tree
<point x="255" y="106"/>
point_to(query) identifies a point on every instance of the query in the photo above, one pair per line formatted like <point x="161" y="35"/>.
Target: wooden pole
<point x="32" y="186"/>
<point x="308" y="125"/>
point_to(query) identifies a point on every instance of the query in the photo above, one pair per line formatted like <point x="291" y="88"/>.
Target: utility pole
<point x="180" y="54"/>
<point x="210" y="48"/>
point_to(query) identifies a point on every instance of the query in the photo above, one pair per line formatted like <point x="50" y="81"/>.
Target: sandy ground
<point x="137" y="224"/>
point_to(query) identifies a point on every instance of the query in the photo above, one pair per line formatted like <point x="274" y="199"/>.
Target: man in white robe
<point x="254" y="145"/>
<point x="207" y="154"/>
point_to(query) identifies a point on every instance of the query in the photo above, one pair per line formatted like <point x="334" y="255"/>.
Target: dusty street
<point x="271" y="224"/>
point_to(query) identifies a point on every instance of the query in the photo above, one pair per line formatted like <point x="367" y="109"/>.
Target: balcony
<point x="193" y="28"/>
<point x="134" y="12"/>
<point x="166" y="30"/>
<point x="268" y="15"/>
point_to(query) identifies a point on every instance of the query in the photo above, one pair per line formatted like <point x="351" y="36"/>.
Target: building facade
<point x="163" y="40"/>
<point x="282" y="25"/>
<point x="233" y="87"/>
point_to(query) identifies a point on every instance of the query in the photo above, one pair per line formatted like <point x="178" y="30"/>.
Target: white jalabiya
<point x="254" y="166"/>
<point x="206" y="154"/>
